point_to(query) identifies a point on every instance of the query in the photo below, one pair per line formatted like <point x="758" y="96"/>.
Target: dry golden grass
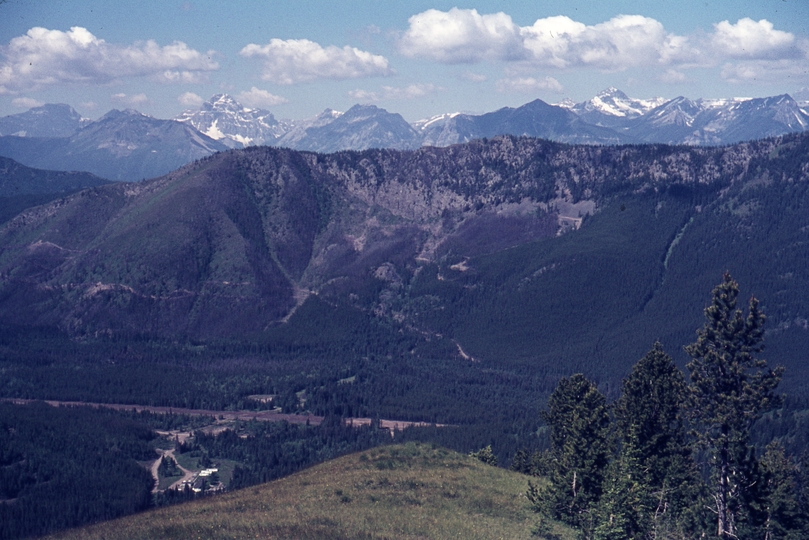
<point x="396" y="492"/>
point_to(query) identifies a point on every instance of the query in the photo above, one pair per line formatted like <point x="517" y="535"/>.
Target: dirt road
<point x="169" y="454"/>
<point x="262" y="416"/>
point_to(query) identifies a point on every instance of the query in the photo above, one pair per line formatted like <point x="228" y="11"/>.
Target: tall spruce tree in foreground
<point x="579" y="422"/>
<point x="730" y="389"/>
<point x="652" y="484"/>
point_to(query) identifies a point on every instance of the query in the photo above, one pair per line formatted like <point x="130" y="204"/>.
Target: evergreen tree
<point x="534" y="463"/>
<point x="802" y="490"/>
<point x="781" y="507"/>
<point x="653" y="482"/>
<point x="730" y="389"/>
<point x="623" y="510"/>
<point x="485" y="455"/>
<point x="579" y="423"/>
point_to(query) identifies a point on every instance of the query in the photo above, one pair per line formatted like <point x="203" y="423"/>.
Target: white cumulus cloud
<point x="752" y="51"/>
<point x="300" y="60"/>
<point x="260" y="98"/>
<point x="462" y="35"/>
<point x="552" y="40"/>
<point x="130" y="101"/>
<point x="45" y="57"/>
<point x="528" y="85"/>
<point x="622" y="42"/>
<point x="393" y="93"/>
<point x="190" y="99"/>
<point x="26" y="103"/>
<point x="744" y="50"/>
<point x="750" y="39"/>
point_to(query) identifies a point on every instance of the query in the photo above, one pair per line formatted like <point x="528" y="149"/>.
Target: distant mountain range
<point x="51" y="120"/>
<point x="130" y="146"/>
<point x="611" y="117"/>
<point x="534" y="119"/>
<point x="121" y="145"/>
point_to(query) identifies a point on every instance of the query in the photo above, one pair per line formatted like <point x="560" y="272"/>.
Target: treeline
<point x="671" y="459"/>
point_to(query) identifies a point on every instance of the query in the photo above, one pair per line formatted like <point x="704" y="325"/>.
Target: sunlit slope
<point x="409" y="491"/>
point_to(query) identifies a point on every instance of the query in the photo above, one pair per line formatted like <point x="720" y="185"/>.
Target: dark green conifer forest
<point x="670" y="458"/>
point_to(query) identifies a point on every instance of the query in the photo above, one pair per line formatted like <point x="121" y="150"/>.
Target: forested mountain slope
<point x="22" y="187"/>
<point x="463" y="244"/>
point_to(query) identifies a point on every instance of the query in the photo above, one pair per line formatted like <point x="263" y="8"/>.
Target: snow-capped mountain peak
<point x="224" y="119"/>
<point x="328" y="115"/>
<point x="611" y="108"/>
<point x="223" y="102"/>
<point x="117" y="113"/>
<point x="720" y="103"/>
<point x="615" y="103"/>
<point x="612" y="93"/>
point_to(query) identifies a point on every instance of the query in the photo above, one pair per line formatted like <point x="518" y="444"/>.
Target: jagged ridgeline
<point x="511" y="252"/>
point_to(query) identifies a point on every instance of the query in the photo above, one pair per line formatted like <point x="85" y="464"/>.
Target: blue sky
<point x="417" y="58"/>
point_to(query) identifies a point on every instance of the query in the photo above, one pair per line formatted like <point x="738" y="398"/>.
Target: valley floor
<point x="261" y="416"/>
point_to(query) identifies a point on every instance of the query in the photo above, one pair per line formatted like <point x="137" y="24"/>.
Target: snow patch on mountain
<point x="613" y="102"/>
<point x="720" y="103"/>
<point x="421" y="125"/>
<point x="224" y="119"/>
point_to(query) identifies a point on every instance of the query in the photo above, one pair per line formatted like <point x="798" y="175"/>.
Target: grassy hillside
<point x="410" y="491"/>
